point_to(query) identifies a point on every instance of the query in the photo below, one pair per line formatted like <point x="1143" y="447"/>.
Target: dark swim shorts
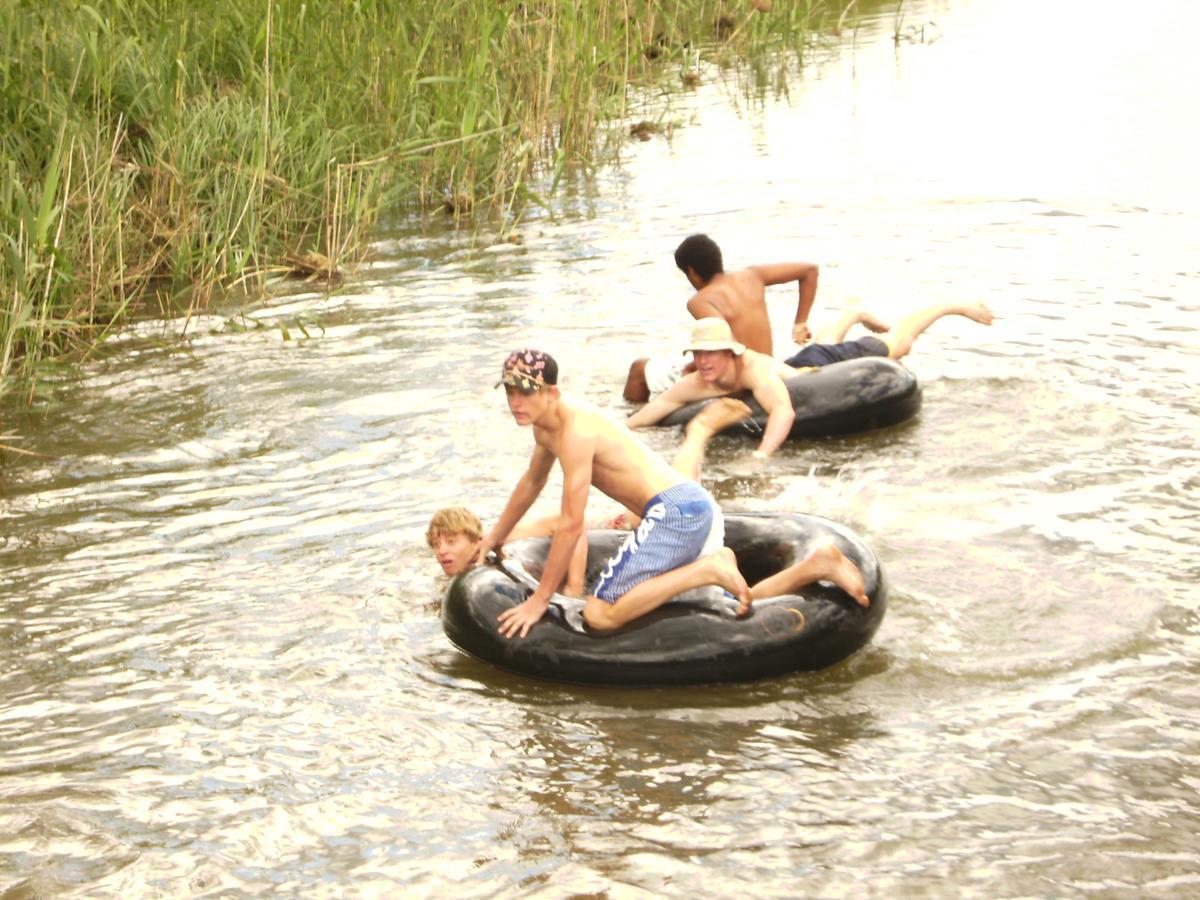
<point x="825" y="354"/>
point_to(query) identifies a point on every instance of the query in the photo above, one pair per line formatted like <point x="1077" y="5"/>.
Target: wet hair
<point x="454" y="520"/>
<point x="701" y="253"/>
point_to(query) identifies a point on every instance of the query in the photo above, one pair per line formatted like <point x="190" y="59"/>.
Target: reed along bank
<point x="157" y="154"/>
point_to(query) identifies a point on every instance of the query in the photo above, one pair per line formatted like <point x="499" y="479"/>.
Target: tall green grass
<point x="153" y="151"/>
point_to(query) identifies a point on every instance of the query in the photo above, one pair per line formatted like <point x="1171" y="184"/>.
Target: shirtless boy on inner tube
<point x="725" y="366"/>
<point x="455" y="533"/>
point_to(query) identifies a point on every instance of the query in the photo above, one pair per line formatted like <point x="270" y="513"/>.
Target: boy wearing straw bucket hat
<point x="725" y="366"/>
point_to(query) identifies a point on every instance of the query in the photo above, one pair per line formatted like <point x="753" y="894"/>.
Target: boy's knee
<point x="599" y="615"/>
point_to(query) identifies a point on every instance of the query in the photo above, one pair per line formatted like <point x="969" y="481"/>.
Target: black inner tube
<point x="692" y="639"/>
<point x="843" y="398"/>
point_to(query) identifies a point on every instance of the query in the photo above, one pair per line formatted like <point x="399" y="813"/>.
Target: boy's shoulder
<point x="758" y="367"/>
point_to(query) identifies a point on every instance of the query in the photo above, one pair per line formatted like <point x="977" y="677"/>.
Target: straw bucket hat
<point x="712" y="333"/>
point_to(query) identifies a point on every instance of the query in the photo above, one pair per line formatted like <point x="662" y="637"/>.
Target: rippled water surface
<point x="222" y="670"/>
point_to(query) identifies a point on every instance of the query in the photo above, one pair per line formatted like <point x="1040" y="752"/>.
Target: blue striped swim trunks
<point x="678" y="526"/>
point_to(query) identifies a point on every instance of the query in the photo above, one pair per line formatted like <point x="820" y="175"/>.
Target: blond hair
<point x="454" y="520"/>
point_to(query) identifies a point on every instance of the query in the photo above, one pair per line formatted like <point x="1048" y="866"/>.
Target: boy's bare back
<point x="740" y="299"/>
<point x="622" y="466"/>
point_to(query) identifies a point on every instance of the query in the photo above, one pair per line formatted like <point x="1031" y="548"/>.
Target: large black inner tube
<point x="842" y="398"/>
<point x="692" y="639"/>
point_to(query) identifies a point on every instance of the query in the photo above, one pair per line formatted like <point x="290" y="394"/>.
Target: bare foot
<point x="718" y="415"/>
<point x="872" y="322"/>
<point x="979" y="312"/>
<point x="724" y="573"/>
<point x="832" y="565"/>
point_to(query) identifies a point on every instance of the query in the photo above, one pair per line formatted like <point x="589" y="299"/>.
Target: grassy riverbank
<point x="153" y="151"/>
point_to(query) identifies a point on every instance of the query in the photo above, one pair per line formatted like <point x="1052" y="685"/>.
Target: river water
<point x="222" y="670"/>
